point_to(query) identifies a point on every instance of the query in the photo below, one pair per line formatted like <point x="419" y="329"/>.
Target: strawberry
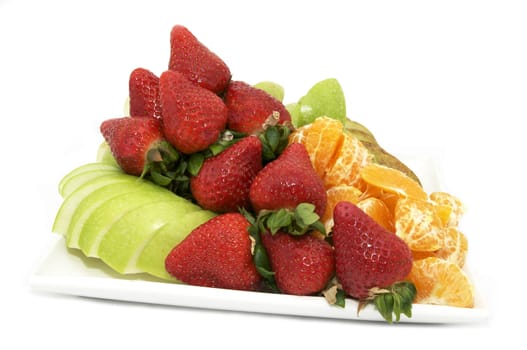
<point x="302" y="265"/>
<point x="131" y="140"/>
<point x="193" y="117"/>
<point x="222" y="184"/>
<point x="194" y="60"/>
<point x="250" y="108"/>
<point x="288" y="181"/>
<point x="371" y="262"/>
<point x="144" y="94"/>
<point x="216" y="254"/>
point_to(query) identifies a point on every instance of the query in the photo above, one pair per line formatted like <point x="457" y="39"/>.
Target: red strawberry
<point x="250" y="108"/>
<point x="288" y="181"/>
<point x="367" y="255"/>
<point x="131" y="139"/>
<point x="216" y="254"/>
<point x="196" y="61"/>
<point x="222" y="184"/>
<point x="193" y="117"/>
<point x="302" y="265"/>
<point x="144" y="94"/>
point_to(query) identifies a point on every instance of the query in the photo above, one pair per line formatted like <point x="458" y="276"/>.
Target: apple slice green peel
<point x="325" y="98"/>
<point x="83" y="174"/>
<point x="272" y="88"/>
<point x="73" y="201"/>
<point x="152" y="258"/>
<point x="90" y="203"/>
<point x="93" y="228"/>
<point x="124" y="241"/>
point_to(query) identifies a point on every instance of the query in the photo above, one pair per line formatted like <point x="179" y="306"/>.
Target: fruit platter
<point x="211" y="192"/>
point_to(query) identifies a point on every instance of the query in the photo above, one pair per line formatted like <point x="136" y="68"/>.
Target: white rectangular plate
<point x="68" y="271"/>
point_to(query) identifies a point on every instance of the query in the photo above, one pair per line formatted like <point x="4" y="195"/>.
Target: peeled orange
<point x="450" y="206"/>
<point x="392" y="180"/>
<point x="417" y="223"/>
<point x="378" y="211"/>
<point x="454" y="249"/>
<point x="335" y="155"/>
<point x="441" y="282"/>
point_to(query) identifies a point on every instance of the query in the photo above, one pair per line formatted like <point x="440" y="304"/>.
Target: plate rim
<point x="141" y="288"/>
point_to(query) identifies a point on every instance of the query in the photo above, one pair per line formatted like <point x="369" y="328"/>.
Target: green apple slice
<point x="272" y="88"/>
<point x="152" y="258"/>
<point x="122" y="244"/>
<point x="91" y="202"/>
<point x="296" y="117"/>
<point x="78" y="180"/>
<point x="83" y="168"/>
<point x="325" y="98"/>
<point x="99" y="197"/>
<point x="105" y="156"/>
<point x="108" y="211"/>
<point x="73" y="200"/>
<point x="71" y="181"/>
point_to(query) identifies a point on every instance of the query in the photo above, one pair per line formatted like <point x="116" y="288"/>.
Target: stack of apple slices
<point x="129" y="223"/>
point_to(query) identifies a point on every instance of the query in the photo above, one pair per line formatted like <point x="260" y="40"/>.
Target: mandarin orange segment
<point x="417" y="223"/>
<point x="392" y="180"/>
<point x="441" y="282"/>
<point x="350" y="157"/>
<point x="444" y="212"/>
<point x="378" y="211"/>
<point x="454" y="249"/>
<point x="390" y="199"/>
<point x="336" y="156"/>
<point x="446" y="200"/>
<point x="321" y="139"/>
<point x="335" y="195"/>
<point x="300" y="134"/>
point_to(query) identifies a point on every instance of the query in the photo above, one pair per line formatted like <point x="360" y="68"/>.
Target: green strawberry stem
<point x="274" y="137"/>
<point x="260" y="257"/>
<point x="396" y="299"/>
<point x="296" y="222"/>
<point x="226" y="139"/>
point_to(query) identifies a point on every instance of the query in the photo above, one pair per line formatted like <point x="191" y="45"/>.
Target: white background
<point x="441" y="77"/>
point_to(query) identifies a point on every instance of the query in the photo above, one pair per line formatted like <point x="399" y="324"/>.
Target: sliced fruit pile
<point x="214" y="182"/>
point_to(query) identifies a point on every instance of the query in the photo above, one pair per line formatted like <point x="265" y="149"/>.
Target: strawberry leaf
<point x="272" y="135"/>
<point x="160" y="179"/>
<point x="275" y="139"/>
<point x="278" y="219"/>
<point x="395" y="300"/>
<point x="296" y="222"/>
<point x="195" y="162"/>
<point x="260" y="258"/>
<point x="305" y="213"/>
<point x="340" y="298"/>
